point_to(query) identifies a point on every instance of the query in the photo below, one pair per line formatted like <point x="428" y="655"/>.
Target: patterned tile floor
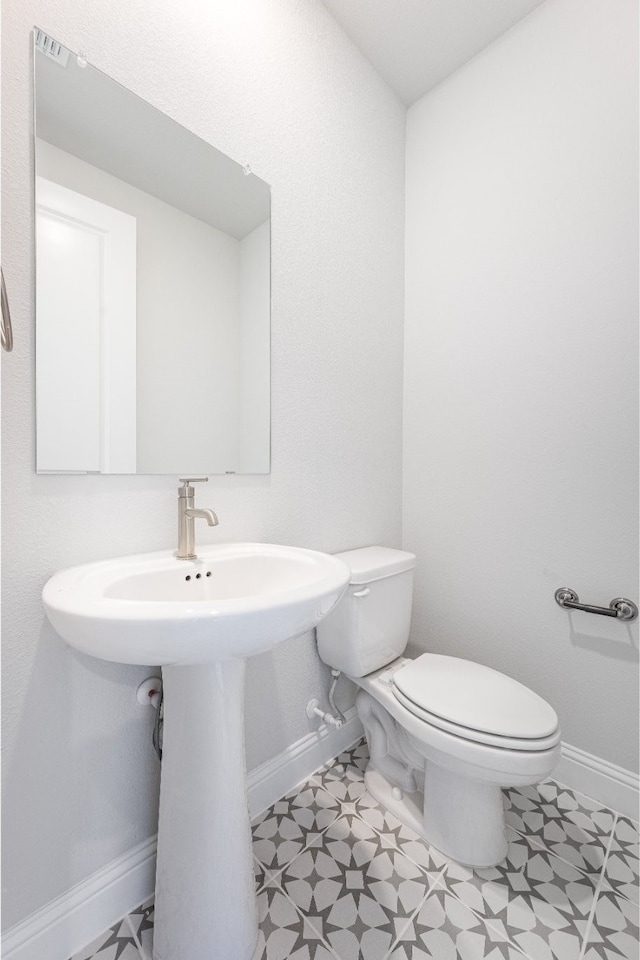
<point x="339" y="878"/>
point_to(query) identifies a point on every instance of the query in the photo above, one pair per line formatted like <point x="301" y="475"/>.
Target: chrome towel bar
<point x="6" y="330"/>
<point x="621" y="608"/>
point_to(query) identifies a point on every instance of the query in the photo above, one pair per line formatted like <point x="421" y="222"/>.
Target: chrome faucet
<point x="187" y="514"/>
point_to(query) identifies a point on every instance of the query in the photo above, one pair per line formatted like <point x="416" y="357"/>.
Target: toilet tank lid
<point x="375" y="563"/>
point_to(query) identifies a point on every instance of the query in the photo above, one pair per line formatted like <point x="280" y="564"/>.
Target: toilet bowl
<point x="444" y="734"/>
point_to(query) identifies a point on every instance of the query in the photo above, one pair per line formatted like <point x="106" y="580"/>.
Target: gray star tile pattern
<point x="118" y="943"/>
<point x="613" y="935"/>
<point x="293" y="823"/>
<point x="359" y="892"/>
<point x="142" y="922"/>
<point x="445" y="929"/>
<point x="340" y="878"/>
<point x="537" y="901"/>
<point x="621" y="873"/>
<point x="570" y="826"/>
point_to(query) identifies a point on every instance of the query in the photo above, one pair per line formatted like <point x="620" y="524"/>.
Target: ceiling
<point x="414" y="44"/>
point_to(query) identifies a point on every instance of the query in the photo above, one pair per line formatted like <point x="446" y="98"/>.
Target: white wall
<point x="520" y="430"/>
<point x="187" y="323"/>
<point x="279" y="86"/>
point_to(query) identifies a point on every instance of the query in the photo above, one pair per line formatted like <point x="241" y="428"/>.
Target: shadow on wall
<point x="78" y="731"/>
<point x="623" y="647"/>
<point x="261" y="734"/>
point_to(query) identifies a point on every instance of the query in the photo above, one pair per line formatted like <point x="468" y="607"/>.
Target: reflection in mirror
<point x="152" y="286"/>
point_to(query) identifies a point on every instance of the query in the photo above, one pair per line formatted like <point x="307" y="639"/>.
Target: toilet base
<point x="445" y="788"/>
<point x="407" y="807"/>
<point x="462" y="818"/>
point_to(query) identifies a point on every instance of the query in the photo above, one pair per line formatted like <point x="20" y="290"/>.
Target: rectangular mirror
<point x="152" y="286"/>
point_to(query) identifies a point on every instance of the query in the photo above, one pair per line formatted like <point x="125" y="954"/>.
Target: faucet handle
<point x="185" y="490"/>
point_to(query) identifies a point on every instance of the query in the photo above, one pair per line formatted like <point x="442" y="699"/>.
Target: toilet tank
<point x="370" y="626"/>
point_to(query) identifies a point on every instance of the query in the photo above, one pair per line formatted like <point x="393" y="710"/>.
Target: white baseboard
<point x="70" y="922"/>
<point x="608" y="784"/>
<point x="273" y="779"/>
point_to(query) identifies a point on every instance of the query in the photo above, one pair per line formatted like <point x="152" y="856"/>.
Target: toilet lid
<point x="476" y="697"/>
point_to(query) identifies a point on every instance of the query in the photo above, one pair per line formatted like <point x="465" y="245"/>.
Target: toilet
<point x="444" y="734"/>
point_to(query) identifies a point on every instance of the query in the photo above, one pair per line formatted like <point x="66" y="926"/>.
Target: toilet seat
<point x="492" y="759"/>
<point x="476" y="736"/>
<point x="475" y="703"/>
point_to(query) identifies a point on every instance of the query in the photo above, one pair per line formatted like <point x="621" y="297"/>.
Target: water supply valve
<point x="313" y="710"/>
<point x="148" y="693"/>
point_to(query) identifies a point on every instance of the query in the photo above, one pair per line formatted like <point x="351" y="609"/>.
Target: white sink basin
<point x="235" y="600"/>
<point x="199" y="619"/>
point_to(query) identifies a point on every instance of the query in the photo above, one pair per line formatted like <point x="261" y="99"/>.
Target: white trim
<point x="111" y="361"/>
<point x="604" y="782"/>
<point x="67" y="924"/>
<point x="275" y="778"/>
<point x="70" y="922"/>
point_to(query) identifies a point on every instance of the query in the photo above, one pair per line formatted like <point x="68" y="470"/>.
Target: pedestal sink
<point x="199" y="619"/>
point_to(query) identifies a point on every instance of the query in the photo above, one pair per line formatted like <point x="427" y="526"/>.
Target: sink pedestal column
<point x="205" y="893"/>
